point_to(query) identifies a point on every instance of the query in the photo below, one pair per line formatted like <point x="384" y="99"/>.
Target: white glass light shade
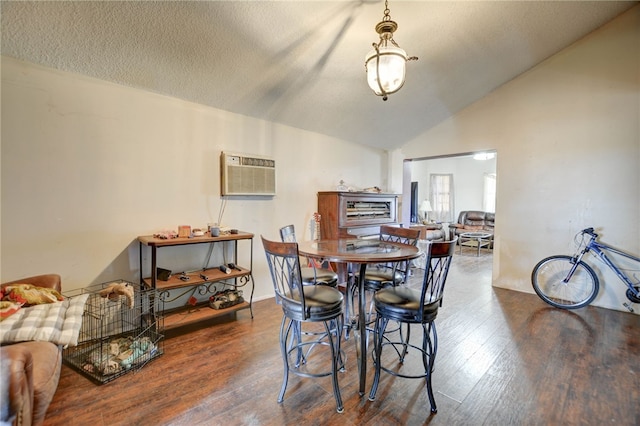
<point x="387" y="67"/>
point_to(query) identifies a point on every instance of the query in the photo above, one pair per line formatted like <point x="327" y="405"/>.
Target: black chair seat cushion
<point x="377" y="279"/>
<point x="403" y="304"/>
<point x="321" y="276"/>
<point x="322" y="303"/>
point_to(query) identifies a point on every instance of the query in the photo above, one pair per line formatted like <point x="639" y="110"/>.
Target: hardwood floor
<point x="504" y="358"/>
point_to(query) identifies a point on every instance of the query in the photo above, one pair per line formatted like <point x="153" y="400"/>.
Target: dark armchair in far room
<point x="473" y="221"/>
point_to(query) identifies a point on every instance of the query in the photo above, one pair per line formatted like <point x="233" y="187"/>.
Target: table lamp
<point x="426" y="208"/>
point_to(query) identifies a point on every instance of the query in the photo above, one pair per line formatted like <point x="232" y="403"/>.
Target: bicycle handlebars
<point x="589" y="231"/>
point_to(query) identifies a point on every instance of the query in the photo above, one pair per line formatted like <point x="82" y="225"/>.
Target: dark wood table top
<point x="358" y="250"/>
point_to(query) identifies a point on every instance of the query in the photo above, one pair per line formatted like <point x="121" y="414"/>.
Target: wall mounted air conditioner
<point x="247" y="175"/>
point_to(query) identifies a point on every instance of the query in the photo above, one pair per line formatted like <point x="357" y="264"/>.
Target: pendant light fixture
<point x="386" y="63"/>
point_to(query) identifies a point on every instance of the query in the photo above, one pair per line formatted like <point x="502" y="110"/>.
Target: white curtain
<point x="441" y="195"/>
<point x="489" y="194"/>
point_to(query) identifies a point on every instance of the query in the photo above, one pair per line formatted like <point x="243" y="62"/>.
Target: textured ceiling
<point x="301" y="63"/>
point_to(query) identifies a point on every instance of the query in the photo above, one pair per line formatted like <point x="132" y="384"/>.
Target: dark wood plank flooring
<point x="504" y="358"/>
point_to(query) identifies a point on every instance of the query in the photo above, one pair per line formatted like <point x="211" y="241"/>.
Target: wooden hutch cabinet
<point x="355" y="214"/>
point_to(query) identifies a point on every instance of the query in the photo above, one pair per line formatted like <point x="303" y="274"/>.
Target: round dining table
<point x="354" y="252"/>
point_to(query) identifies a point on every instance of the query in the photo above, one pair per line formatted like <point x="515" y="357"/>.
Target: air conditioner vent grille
<point x="247" y="175"/>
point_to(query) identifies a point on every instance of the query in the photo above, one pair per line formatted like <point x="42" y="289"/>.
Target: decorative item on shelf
<point x="214" y="230"/>
<point x="184" y="231"/>
<point x="226" y="299"/>
<point x="197" y="232"/>
<point x="373" y="189"/>
<point x="426" y="208"/>
<point x="386" y="63"/>
<point x="342" y="186"/>
<point x="163" y="274"/>
<point x="166" y="235"/>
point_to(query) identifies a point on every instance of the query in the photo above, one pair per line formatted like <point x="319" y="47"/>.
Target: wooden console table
<point x="195" y="283"/>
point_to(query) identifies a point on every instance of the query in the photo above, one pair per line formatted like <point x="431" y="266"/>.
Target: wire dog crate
<point x="121" y="331"/>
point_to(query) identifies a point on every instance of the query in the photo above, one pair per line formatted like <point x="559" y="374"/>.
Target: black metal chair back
<point x="396" y="234"/>
<point x="436" y="271"/>
<point x="311" y="275"/>
<point x="284" y="265"/>
<point x="392" y="273"/>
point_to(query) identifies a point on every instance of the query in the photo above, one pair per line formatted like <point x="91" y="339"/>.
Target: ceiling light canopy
<point x="484" y="156"/>
<point x="386" y="63"/>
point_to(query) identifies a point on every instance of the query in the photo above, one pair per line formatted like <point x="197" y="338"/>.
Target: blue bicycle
<point x="568" y="282"/>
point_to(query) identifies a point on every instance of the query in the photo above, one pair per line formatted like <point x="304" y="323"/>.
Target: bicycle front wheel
<point x="549" y="282"/>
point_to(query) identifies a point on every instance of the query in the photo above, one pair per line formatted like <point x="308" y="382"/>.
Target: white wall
<point x="567" y="135"/>
<point x="87" y="166"/>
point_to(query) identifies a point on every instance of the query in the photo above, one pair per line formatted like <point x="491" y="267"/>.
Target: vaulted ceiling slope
<point x="301" y="63"/>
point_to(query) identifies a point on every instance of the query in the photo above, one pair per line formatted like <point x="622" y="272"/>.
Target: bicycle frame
<point x="599" y="249"/>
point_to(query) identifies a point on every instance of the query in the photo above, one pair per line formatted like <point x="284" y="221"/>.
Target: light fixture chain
<point x="387" y="12"/>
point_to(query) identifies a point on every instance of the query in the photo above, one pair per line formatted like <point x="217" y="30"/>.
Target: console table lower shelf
<point x="188" y="314"/>
<point x="183" y="316"/>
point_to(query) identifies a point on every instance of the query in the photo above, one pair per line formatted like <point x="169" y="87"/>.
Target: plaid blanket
<point x="57" y="322"/>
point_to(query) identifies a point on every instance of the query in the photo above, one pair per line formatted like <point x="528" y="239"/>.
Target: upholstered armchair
<point x="31" y="371"/>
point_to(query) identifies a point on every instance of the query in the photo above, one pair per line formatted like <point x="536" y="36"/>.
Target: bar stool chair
<point x="310" y="274"/>
<point x="304" y="304"/>
<point x="413" y="306"/>
<point x="389" y="274"/>
<point x="395" y="273"/>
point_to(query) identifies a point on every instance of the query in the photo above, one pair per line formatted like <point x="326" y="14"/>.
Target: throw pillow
<point x="29" y="294"/>
<point x="8" y="308"/>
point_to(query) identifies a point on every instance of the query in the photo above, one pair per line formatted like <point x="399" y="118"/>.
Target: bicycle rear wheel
<point x="548" y="279"/>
